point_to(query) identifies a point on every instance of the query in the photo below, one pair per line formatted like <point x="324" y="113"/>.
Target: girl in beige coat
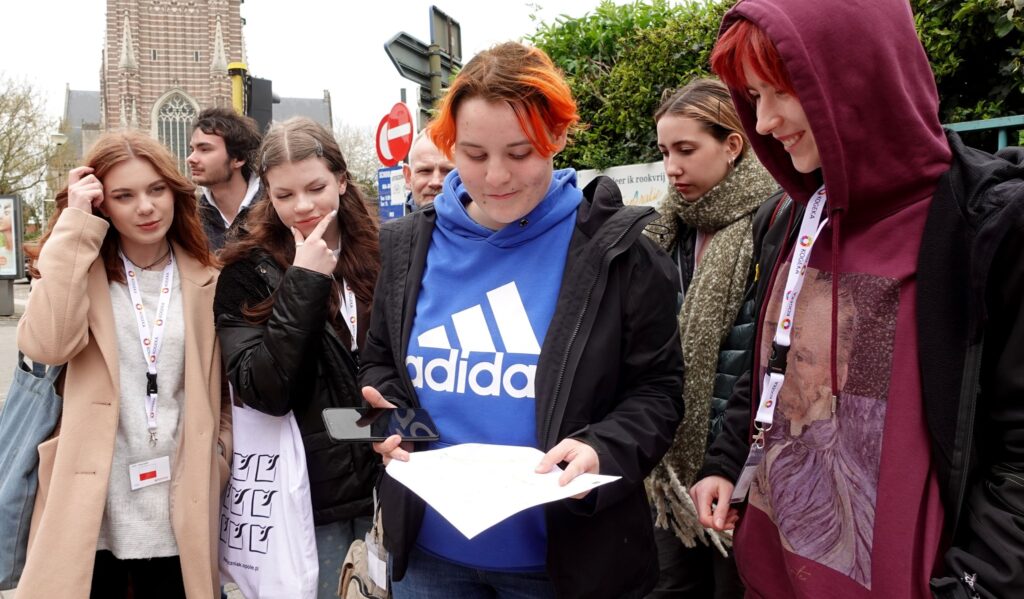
<point x="130" y="483"/>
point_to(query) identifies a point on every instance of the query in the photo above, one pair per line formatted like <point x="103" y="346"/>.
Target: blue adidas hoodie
<point x="486" y="300"/>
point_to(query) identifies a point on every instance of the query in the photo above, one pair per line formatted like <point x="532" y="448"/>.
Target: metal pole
<point x="1002" y="139"/>
<point x="6" y="297"/>
<point x="435" y="73"/>
<point x="237" y="71"/>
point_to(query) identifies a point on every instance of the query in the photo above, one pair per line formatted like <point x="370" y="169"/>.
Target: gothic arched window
<point x="174" y="118"/>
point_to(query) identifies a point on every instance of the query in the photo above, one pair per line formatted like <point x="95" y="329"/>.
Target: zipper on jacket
<point x="969" y="389"/>
<point x="608" y="255"/>
<point x="965" y="423"/>
<point x="273" y="282"/>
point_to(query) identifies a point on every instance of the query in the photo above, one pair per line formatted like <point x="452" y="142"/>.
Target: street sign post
<point x="412" y="59"/>
<point x="394" y="135"/>
<point x="431" y="67"/>
<point x="446" y="34"/>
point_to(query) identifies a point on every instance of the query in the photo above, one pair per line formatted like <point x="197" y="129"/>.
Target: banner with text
<point x="640" y="184"/>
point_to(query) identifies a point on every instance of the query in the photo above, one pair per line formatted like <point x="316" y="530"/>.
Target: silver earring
<point x="732" y="159"/>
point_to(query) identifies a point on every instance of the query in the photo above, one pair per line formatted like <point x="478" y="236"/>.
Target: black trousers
<point x="158" y="578"/>
<point x="699" y="572"/>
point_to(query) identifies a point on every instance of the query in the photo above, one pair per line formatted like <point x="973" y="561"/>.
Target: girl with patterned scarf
<point x="715" y="190"/>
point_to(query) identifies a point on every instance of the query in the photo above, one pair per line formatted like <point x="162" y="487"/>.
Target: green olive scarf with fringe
<point x="709" y="310"/>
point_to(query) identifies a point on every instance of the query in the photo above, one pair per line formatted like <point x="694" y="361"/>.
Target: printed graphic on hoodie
<point x="819" y="480"/>
<point x="475" y="363"/>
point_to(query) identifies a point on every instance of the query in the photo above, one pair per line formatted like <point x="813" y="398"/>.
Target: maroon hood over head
<point x="865" y="83"/>
<point x="851" y="507"/>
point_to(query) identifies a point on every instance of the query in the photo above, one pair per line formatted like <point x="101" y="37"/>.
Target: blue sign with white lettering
<point x="391" y="192"/>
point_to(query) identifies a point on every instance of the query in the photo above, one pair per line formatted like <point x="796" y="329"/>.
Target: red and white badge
<point x="150" y="472"/>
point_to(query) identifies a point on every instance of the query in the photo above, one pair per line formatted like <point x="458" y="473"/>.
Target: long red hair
<point x="746" y="43"/>
<point x="110" y="150"/>
<point x="525" y="79"/>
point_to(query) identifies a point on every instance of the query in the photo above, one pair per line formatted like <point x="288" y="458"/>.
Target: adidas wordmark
<point x="488" y="377"/>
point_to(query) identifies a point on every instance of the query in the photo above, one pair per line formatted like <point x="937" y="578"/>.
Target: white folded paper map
<point x="475" y="486"/>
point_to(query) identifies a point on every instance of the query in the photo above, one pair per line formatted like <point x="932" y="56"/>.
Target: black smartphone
<point x="377" y="424"/>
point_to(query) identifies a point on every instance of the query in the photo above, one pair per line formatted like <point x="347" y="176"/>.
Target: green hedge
<point x="619" y="59"/>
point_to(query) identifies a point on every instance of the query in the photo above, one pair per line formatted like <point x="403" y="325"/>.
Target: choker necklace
<point x="158" y="260"/>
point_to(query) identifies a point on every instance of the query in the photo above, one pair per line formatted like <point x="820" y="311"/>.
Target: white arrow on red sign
<point x="394" y="135"/>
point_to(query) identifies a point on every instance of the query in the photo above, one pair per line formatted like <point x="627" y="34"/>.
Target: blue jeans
<point x="332" y="541"/>
<point x="429" y="577"/>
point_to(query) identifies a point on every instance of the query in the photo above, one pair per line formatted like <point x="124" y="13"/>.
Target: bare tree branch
<point x="357" y="146"/>
<point x="25" y="146"/>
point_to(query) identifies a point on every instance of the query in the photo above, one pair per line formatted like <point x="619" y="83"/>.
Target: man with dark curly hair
<point x="223" y="152"/>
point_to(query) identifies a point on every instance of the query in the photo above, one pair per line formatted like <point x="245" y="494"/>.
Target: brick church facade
<point x="165" y="60"/>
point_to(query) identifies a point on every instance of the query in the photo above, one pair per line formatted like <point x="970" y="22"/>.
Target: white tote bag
<point x="267" y="542"/>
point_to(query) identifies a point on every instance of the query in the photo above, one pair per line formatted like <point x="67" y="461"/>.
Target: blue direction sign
<point x="391" y="192"/>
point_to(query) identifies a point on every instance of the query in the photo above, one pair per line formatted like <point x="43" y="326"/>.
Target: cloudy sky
<point x="303" y="46"/>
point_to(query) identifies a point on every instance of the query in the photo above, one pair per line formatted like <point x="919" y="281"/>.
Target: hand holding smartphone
<point x="393" y="448"/>
<point x="377" y="424"/>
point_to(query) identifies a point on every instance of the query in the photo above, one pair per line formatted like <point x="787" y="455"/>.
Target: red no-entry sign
<point x="394" y="135"/>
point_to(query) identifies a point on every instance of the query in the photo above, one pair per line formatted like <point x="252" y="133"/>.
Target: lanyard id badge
<point x="150" y="337"/>
<point x="754" y="459"/>
<point x="349" y="313"/>
<point x="376" y="554"/>
<point x="149" y="472"/>
<point x="775" y="374"/>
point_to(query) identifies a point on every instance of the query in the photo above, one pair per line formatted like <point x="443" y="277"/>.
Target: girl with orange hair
<point x="521" y="310"/>
<point x="130" y="483"/>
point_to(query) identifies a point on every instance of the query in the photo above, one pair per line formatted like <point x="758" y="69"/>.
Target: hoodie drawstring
<point x="836" y="218"/>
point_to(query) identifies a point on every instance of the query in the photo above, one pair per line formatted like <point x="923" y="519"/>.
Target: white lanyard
<point x="348" y="311"/>
<point x="150" y="338"/>
<point x="774" y="376"/>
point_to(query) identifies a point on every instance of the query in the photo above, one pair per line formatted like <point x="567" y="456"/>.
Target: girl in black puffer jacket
<point x="292" y="310"/>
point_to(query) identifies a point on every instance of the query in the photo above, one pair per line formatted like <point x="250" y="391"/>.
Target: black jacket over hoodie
<point x="868" y="96"/>
<point x="970" y="299"/>
<point x="296" y="361"/>
<point x="736" y="352"/>
<point x="609" y="374"/>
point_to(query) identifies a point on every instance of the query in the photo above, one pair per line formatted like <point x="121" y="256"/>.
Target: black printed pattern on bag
<point x="247" y="498"/>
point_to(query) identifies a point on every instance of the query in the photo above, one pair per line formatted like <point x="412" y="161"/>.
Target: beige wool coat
<point x="69" y="318"/>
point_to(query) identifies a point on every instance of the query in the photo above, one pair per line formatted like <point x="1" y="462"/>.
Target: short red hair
<point x="525" y="79"/>
<point x="746" y="43"/>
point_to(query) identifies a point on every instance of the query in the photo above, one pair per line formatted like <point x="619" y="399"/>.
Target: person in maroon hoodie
<point x="877" y="446"/>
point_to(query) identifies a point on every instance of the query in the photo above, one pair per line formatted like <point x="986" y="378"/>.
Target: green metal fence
<point x="1003" y="125"/>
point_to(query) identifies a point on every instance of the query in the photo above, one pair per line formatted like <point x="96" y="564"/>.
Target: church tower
<point x="164" y="61"/>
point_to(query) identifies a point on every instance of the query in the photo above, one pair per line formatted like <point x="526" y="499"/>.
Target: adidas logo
<point x="488" y="376"/>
